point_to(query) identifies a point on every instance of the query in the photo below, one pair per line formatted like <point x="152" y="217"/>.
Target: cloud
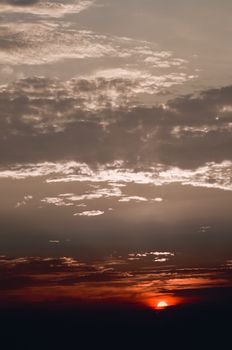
<point x="159" y="257"/>
<point x="52" y="121"/>
<point x="96" y="194"/>
<point x="65" y="200"/>
<point x="51" y="104"/>
<point x="71" y="262"/>
<point x="158" y="199"/>
<point x="48" y="278"/>
<point x="56" y="201"/>
<point x="204" y="229"/>
<point x="20" y="2"/>
<point x="140" y="82"/>
<point x="74" y="199"/>
<point x="211" y="175"/>
<point x="40" y="42"/>
<point x="25" y="200"/>
<point x="45" y="8"/>
<point x="133" y="198"/>
<point x="47" y="42"/>
<point x="90" y="213"/>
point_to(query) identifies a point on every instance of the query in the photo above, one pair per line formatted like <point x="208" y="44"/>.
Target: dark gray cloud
<point x="49" y="120"/>
<point x="43" y="8"/>
<point x="20" y="2"/>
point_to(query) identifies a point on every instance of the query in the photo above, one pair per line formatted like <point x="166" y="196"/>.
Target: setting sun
<point x="162" y="304"/>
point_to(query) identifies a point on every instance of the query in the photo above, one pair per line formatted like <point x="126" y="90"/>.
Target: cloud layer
<point x="95" y="121"/>
<point x="42" y="41"/>
<point x="140" y="277"/>
<point x="211" y="175"/>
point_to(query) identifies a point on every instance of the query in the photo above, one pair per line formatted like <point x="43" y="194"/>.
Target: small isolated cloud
<point x="152" y="254"/>
<point x="229" y="264"/>
<point x="25" y="200"/>
<point x="133" y="198"/>
<point x="158" y="257"/>
<point x="70" y="262"/>
<point x="90" y="213"/>
<point x="160" y="260"/>
<point x="158" y="199"/>
<point x="204" y="229"/>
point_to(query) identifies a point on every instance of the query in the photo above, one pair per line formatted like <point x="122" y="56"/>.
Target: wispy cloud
<point x="47" y="41"/>
<point x="212" y="175"/>
<point x="45" y="8"/>
<point x="65" y="200"/>
<point x="56" y="201"/>
<point x="90" y="213"/>
<point x="25" y="200"/>
<point x="139" y="82"/>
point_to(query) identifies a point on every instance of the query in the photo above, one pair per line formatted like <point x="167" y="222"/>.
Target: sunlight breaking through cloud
<point x="212" y="175"/>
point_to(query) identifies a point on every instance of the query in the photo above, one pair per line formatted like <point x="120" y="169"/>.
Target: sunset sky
<point x="115" y="150"/>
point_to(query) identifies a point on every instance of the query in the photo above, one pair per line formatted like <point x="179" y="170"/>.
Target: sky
<point x="115" y="150"/>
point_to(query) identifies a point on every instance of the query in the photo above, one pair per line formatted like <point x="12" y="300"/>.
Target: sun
<point x="162" y="304"/>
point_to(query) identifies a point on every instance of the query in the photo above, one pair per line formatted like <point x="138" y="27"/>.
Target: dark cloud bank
<point x="20" y="2"/>
<point x="47" y="120"/>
